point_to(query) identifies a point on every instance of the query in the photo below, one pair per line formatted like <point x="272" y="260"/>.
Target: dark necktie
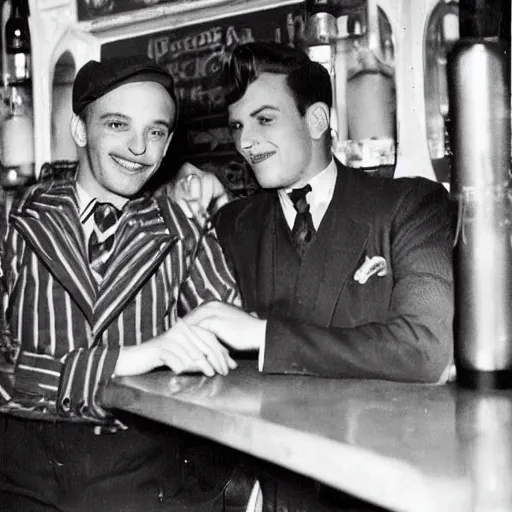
<point x="303" y="231"/>
<point x="101" y="241"/>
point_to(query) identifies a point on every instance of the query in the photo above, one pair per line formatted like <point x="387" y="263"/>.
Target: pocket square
<point x="375" y="265"/>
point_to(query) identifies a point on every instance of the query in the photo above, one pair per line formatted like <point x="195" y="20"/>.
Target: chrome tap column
<point x="479" y="88"/>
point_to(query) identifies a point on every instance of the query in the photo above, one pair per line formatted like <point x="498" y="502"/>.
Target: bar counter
<point x="405" y="447"/>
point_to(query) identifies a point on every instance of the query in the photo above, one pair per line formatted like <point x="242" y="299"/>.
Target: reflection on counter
<point x="403" y="446"/>
<point x="484" y="423"/>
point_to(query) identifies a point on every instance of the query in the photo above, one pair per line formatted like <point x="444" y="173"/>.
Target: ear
<point x="78" y="131"/>
<point x="317" y="116"/>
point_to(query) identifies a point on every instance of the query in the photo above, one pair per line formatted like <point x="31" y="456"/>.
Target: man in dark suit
<point x="352" y="279"/>
<point x="355" y="278"/>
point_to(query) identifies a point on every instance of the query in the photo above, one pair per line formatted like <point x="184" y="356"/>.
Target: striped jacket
<point x="64" y="330"/>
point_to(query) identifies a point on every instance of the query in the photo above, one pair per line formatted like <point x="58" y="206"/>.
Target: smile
<point x="256" y="159"/>
<point x="128" y="164"/>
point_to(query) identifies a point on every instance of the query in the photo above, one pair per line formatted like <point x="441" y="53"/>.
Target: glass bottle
<point x="17" y="142"/>
<point x="17" y="42"/>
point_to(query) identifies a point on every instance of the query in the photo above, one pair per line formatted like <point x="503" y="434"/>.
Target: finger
<point x="199" y="196"/>
<point x="180" y="193"/>
<point x="231" y="363"/>
<point x="186" y="207"/>
<point x="193" y="185"/>
<point x="203" y="365"/>
<point x="182" y="360"/>
<point x="191" y="208"/>
<point x="188" y="168"/>
<point x="174" y="358"/>
<point x="216" y="353"/>
<point x="186" y="344"/>
<point x="200" y="342"/>
<point x="203" y="190"/>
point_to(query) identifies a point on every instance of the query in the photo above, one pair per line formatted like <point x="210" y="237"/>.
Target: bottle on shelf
<point x="17" y="43"/>
<point x="17" y="143"/>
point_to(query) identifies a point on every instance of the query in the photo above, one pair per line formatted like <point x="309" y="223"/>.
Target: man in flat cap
<point x="97" y="277"/>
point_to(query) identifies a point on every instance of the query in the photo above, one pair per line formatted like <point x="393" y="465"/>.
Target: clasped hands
<point x="198" y="342"/>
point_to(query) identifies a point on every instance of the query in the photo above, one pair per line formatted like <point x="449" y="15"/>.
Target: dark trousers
<point x="67" y="467"/>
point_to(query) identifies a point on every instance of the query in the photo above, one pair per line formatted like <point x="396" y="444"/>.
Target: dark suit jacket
<point x="396" y="327"/>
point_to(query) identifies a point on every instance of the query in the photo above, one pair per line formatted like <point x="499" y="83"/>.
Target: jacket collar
<point x="48" y="219"/>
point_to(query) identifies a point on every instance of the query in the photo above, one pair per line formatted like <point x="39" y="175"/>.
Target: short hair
<point x="308" y="80"/>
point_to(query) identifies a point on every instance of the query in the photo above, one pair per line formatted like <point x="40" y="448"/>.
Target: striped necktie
<point x="101" y="241"/>
<point x="303" y="231"/>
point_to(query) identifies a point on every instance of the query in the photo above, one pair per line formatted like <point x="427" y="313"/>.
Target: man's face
<point x="127" y="133"/>
<point x="271" y="134"/>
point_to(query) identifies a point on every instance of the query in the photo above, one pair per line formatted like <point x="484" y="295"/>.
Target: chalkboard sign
<point x="192" y="54"/>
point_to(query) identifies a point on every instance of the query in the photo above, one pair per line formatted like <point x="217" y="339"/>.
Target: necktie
<point x="101" y="241"/>
<point x="303" y="231"/>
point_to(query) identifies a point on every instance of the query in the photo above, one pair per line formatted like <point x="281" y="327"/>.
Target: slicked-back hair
<point x="309" y="81"/>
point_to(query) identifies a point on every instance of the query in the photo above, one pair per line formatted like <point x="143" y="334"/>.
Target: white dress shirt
<point x="322" y="189"/>
<point x="86" y="205"/>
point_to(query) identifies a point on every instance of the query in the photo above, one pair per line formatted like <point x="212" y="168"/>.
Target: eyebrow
<point x="264" y="107"/>
<point x="162" y="122"/>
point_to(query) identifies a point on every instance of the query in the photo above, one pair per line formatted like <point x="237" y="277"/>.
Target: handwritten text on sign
<point x="193" y="55"/>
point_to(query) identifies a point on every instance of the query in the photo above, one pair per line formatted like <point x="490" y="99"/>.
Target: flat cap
<point x="95" y="79"/>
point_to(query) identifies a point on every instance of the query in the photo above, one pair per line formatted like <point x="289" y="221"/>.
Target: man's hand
<point x="183" y="348"/>
<point x="200" y="194"/>
<point x="236" y="328"/>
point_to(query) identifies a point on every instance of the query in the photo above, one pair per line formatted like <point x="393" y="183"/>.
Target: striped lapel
<point x="48" y="220"/>
<point x="143" y="239"/>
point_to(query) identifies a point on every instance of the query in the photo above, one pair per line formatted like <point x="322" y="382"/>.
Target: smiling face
<point x="124" y="137"/>
<point x="272" y="135"/>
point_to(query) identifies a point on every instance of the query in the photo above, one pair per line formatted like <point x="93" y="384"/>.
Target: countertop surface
<point x="403" y="446"/>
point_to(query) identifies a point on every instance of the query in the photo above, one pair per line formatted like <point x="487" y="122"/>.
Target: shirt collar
<point x="322" y="186"/>
<point x="86" y="203"/>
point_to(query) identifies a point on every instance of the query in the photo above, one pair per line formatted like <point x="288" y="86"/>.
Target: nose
<point x="137" y="144"/>
<point x="248" y="139"/>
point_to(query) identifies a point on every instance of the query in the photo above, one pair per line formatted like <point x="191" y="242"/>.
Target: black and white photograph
<point x="255" y="256"/>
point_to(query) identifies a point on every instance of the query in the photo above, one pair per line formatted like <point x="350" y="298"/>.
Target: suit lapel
<point x="266" y="253"/>
<point x="252" y="248"/>
<point x="49" y="222"/>
<point x="143" y="239"/>
<point x="340" y="244"/>
<point x="325" y="270"/>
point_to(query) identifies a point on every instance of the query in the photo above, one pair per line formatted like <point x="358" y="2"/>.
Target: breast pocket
<point x="364" y="303"/>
